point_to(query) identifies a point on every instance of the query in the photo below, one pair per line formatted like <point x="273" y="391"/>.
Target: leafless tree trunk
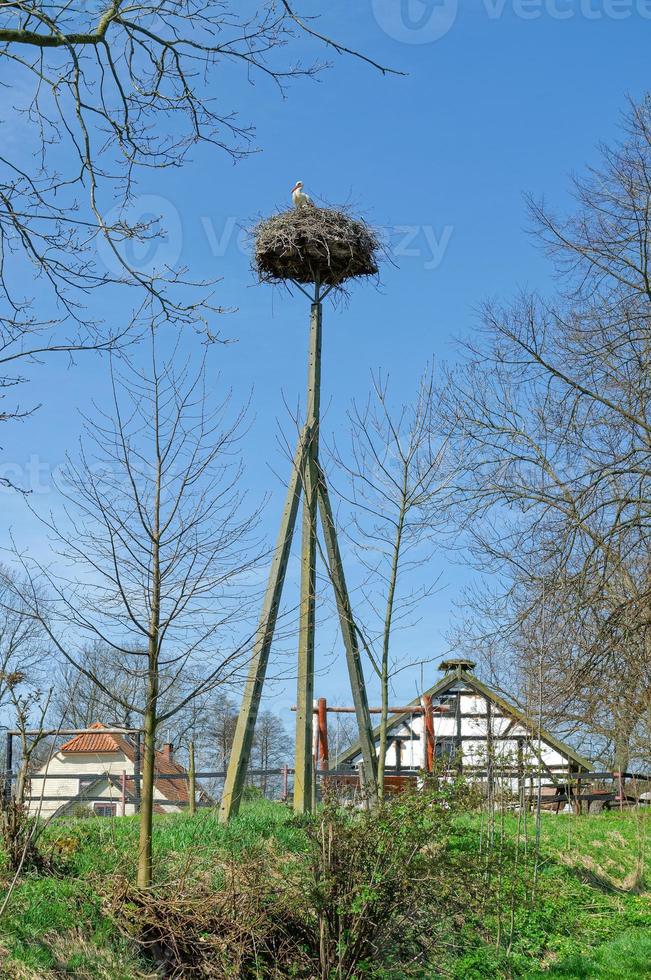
<point x="552" y="411"/>
<point x="397" y="475"/>
<point x="153" y="552"/>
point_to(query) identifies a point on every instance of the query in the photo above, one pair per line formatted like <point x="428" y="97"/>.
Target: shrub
<point x="19" y="833"/>
<point x="373" y="894"/>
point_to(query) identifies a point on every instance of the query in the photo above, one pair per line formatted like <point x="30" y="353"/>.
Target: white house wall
<point x="65" y="786"/>
<point x="506" y="737"/>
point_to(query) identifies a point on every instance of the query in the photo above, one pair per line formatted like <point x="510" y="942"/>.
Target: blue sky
<point x="500" y="98"/>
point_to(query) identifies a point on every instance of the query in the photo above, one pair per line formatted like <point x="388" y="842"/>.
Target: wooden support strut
<point x="303" y="764"/>
<point x="368" y="770"/>
<point x="244" y="730"/>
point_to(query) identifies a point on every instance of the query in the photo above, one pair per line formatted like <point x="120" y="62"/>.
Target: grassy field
<point x="590" y="916"/>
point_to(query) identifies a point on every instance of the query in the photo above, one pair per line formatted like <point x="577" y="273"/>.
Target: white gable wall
<point x="507" y="736"/>
<point x="64" y="785"/>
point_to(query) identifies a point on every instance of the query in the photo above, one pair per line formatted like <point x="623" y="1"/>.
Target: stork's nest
<point x="310" y="244"/>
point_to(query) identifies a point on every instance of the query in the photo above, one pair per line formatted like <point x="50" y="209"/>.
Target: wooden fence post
<point x="620" y="790"/>
<point x="192" y="785"/>
<point x="285" y="790"/>
<point x="8" y="768"/>
<point x="136" y="772"/>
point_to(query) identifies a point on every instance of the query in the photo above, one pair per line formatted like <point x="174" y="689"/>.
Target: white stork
<point x="299" y="197"/>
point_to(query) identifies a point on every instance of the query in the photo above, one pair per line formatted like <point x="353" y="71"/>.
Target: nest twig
<point x="310" y="244"/>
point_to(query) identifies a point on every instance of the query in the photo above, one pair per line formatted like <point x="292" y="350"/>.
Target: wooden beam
<point x="245" y="728"/>
<point x="304" y="766"/>
<point x="415" y="710"/>
<point x="351" y="646"/>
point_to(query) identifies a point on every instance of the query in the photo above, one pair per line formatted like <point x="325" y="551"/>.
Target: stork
<point x="299" y="197"/>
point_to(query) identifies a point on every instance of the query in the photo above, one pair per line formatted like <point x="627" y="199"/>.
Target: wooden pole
<point x="322" y="713"/>
<point x="192" y="783"/>
<point x="244" y="730"/>
<point x="8" y="768"/>
<point x="368" y="771"/>
<point x="316" y="748"/>
<point x="123" y="793"/>
<point x="285" y="789"/>
<point x="428" y="731"/>
<point x="136" y="772"/>
<point x="303" y="765"/>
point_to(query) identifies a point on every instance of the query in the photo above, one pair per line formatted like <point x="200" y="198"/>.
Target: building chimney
<point x="167" y="752"/>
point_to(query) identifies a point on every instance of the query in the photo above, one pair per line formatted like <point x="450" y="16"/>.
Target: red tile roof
<point x="94" y="743"/>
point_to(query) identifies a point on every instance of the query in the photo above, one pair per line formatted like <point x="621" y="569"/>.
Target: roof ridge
<point x="448" y="681"/>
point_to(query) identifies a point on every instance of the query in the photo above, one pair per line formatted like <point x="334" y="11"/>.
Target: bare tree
<point x="79" y="700"/>
<point x="271" y="747"/>
<point x="21" y="641"/>
<point x="537" y="642"/>
<point x="551" y="410"/>
<point x="30" y="707"/>
<point x="397" y="476"/>
<point x="106" y="93"/>
<point x="157" y="547"/>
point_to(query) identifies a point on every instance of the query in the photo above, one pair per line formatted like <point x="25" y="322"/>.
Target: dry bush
<point x="249" y="927"/>
<point x="19" y="835"/>
<point x="372" y="894"/>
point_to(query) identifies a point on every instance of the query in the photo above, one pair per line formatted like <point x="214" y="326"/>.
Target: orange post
<point x="322" y="713"/>
<point x="428" y="729"/>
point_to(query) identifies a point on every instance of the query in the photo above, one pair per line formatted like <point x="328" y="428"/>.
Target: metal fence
<point x="113" y="790"/>
<point x="122" y="789"/>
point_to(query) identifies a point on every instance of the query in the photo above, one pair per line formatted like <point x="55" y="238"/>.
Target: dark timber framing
<point x="495" y="702"/>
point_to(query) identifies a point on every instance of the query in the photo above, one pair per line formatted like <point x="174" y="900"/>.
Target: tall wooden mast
<point x="307" y="478"/>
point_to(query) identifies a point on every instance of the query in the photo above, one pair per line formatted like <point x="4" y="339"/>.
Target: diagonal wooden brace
<point x="353" y="659"/>
<point x="244" y="731"/>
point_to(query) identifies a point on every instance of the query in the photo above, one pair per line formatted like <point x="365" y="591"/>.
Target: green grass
<point x="58" y="923"/>
<point x="591" y="916"/>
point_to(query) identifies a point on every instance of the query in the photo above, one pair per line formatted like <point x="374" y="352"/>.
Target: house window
<point x="445" y="748"/>
<point x="449" y="700"/>
<point x="104" y="809"/>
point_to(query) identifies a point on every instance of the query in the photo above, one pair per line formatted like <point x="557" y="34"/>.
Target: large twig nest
<point x="310" y="244"/>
